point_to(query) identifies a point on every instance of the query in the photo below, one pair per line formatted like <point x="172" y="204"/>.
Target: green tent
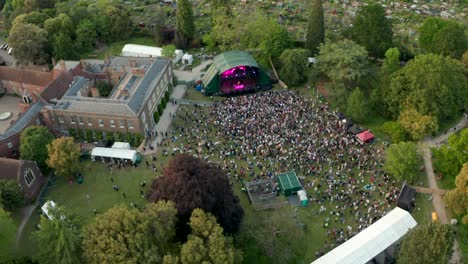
<point x="289" y="183"/>
<point x="229" y="60"/>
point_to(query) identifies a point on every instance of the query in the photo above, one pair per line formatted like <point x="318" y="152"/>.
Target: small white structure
<point x="302" y="197"/>
<point x="114" y="153"/>
<point x="187" y="59"/>
<point x="372" y="241"/>
<point x="47" y="207"/>
<point x="135" y="50"/>
<point x="121" y="145"/>
<point x="311" y="60"/>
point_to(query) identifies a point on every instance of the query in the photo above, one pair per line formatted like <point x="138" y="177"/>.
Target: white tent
<point x="135" y="50"/>
<point x="187" y="59"/>
<point x="46" y="207"/>
<point x="121" y="145"/>
<point x="114" y="153"/>
<point x="371" y="241"/>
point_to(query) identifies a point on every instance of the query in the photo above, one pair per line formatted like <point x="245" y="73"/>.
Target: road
<point x="9" y="60"/>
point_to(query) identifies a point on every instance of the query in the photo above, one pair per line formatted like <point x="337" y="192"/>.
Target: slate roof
<point x="23" y="120"/>
<point x="10" y="168"/>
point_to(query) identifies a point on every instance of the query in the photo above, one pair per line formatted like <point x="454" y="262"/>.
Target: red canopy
<point x="365" y="136"/>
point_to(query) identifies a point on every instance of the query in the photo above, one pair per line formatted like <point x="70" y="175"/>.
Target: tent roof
<point x="288" y="180"/>
<point x="156" y="51"/>
<point x="231" y="59"/>
<point x="365" y="136"/>
<point x="113" y="153"/>
<point x="370" y="242"/>
<point x="121" y="145"/>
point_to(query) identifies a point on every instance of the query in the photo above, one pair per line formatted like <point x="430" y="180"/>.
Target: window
<point x="73" y="120"/>
<point x="28" y="176"/>
<point x="60" y="118"/>
<point x="112" y="123"/>
<point x="10" y="145"/>
<point x="90" y="122"/>
<point x="150" y="104"/>
<point x="80" y="120"/>
<point x="143" y="117"/>
<point x="130" y="124"/>
<point x="121" y="124"/>
<point x="153" y="99"/>
<point x="101" y="123"/>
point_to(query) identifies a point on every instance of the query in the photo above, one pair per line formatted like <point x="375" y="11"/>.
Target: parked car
<point x="10" y="50"/>
<point x="6" y="47"/>
<point x="2" y="46"/>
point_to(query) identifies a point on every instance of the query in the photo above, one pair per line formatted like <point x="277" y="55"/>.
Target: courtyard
<point x="9" y="103"/>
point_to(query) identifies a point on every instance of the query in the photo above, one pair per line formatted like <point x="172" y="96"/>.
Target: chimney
<point x="132" y="63"/>
<point x="62" y="65"/>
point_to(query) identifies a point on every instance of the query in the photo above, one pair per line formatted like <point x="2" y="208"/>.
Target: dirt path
<point x="437" y="200"/>
<point x="26" y="212"/>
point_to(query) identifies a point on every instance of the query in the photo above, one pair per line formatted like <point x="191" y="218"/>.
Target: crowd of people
<point x="260" y="135"/>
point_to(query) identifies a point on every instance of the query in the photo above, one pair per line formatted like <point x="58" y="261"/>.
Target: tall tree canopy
<point x="206" y="243"/>
<point x="11" y="196"/>
<point x="434" y="85"/>
<point x="28" y="42"/>
<point x="185" y="26"/>
<point x="59" y="239"/>
<point x="445" y="37"/>
<point x="193" y="183"/>
<point x="416" y="124"/>
<point x="457" y="199"/>
<point x="59" y="24"/>
<point x="391" y="62"/>
<point x="373" y="30"/>
<point x="315" y="26"/>
<point x="357" y="107"/>
<point x="293" y="65"/>
<point x="402" y="161"/>
<point x="449" y="158"/>
<point x="85" y="35"/>
<point x="123" y="235"/>
<point x="64" y="156"/>
<point x="428" y="243"/>
<point x="7" y="235"/>
<point x="33" y="141"/>
<point x="343" y="61"/>
<point x="116" y="21"/>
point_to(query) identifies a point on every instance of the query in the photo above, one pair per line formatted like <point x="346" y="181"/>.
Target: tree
<point x="294" y="62"/>
<point x="118" y="21"/>
<point x="206" y="243"/>
<point x="36" y="18"/>
<point x="464" y="59"/>
<point x="315" y="27"/>
<point x="193" y="183"/>
<point x="185" y="26"/>
<point x="428" y="243"/>
<point x="28" y="42"/>
<point x="449" y="158"/>
<point x="85" y="35"/>
<point x="104" y="88"/>
<point x="391" y="62"/>
<point x="356" y="106"/>
<point x="168" y="51"/>
<point x="7" y="235"/>
<point x="402" y="161"/>
<point x="31" y="5"/>
<point x="62" y="47"/>
<point x="32" y="142"/>
<point x="444" y="37"/>
<point x="121" y="235"/>
<point x="59" y="24"/>
<point x="372" y="30"/>
<point x="64" y="156"/>
<point x="416" y="124"/>
<point x="457" y="199"/>
<point x="394" y="130"/>
<point x="11" y="196"/>
<point x="343" y="61"/>
<point x="59" y="238"/>
<point x="432" y="84"/>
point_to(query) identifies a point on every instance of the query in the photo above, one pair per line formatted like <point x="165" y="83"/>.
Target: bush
<point x="11" y="196"/>
<point x="129" y="138"/>
<point x="98" y="135"/>
<point x="72" y="132"/>
<point x="119" y="136"/>
<point x="160" y="109"/>
<point x="137" y="139"/>
<point x="156" y="117"/>
<point x="89" y="136"/>
<point x="110" y="136"/>
<point x="167" y="96"/>
<point x="394" y="130"/>
<point x="104" y="88"/>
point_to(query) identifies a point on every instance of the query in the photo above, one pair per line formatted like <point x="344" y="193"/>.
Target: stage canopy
<point x="365" y="136"/>
<point x="227" y="61"/>
<point x="371" y="241"/>
<point x="289" y="183"/>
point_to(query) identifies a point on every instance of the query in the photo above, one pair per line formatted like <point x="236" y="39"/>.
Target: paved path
<point x="26" y="213"/>
<point x="193" y="75"/>
<point x="437" y="200"/>
<point x="429" y="190"/>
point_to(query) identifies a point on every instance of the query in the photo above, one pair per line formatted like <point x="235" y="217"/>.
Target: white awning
<point x="121" y="145"/>
<point x="114" y="153"/>
<point x="370" y="242"/>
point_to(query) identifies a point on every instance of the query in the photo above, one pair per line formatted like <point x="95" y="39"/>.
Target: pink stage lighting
<point x="238" y="86"/>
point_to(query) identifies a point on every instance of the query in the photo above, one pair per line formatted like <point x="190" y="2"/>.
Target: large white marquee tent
<point x="370" y="242"/>
<point x="114" y="153"/>
<point x="135" y="50"/>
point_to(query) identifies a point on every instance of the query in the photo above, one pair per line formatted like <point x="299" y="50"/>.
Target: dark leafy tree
<point x="104" y="88"/>
<point x="315" y="27"/>
<point x="428" y="243"/>
<point x="443" y="37"/>
<point x="11" y="196"/>
<point x="449" y="158"/>
<point x="185" y="26"/>
<point x="357" y="107"/>
<point x="33" y="141"/>
<point x="193" y="183"/>
<point x="29" y="43"/>
<point x="85" y="35"/>
<point x="294" y="62"/>
<point x="62" y="47"/>
<point x="7" y="236"/>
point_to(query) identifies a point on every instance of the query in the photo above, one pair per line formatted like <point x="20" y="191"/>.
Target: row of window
<point x="79" y="120"/>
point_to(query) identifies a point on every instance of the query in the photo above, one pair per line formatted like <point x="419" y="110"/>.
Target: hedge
<point x="156" y="117"/>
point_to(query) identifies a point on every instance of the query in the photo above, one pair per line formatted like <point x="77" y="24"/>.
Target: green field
<point x="115" y="48"/>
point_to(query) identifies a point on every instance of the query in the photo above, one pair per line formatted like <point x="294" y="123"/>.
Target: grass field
<point x="115" y="48"/>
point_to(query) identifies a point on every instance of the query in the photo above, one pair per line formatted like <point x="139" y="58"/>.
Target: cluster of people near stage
<point x="260" y="135"/>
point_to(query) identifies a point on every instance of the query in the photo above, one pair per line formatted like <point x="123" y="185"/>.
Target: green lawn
<point x="115" y="48"/>
<point x="423" y="208"/>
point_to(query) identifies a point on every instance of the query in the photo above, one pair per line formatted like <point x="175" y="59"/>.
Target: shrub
<point x="89" y="136"/>
<point x="160" y="109"/>
<point x="72" y="132"/>
<point x="104" y="88"/>
<point x="110" y="136"/>
<point x="98" y="135"/>
<point x="156" y="117"/>
<point x="129" y="138"/>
